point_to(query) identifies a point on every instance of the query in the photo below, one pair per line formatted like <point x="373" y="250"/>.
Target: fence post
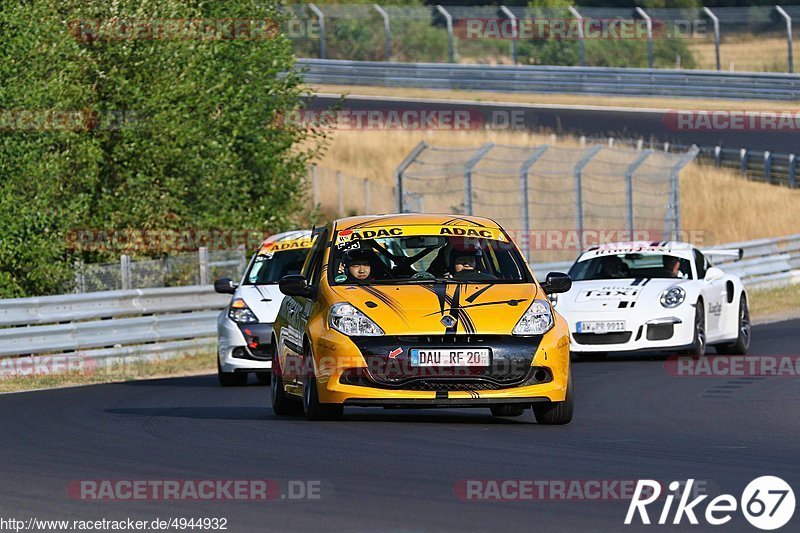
<point x="468" y="167"/>
<point x="649" y="23"/>
<point x="629" y="185"/>
<point x="788" y="20"/>
<point x="242" y="259"/>
<point x="387" y="29"/>
<point x="715" y="20"/>
<point x="767" y="167"/>
<point x="80" y="279"/>
<point x="125" y="271"/>
<point x="507" y="12"/>
<point x="717" y="156"/>
<point x="449" y="19"/>
<point x="577" y="15"/>
<point x="792" y="171"/>
<point x="367" y="197"/>
<point x="321" y="16"/>
<point x="398" y="173"/>
<point x="676" y="189"/>
<point x="340" y="182"/>
<point x="202" y="256"/>
<point x="577" y="175"/>
<point x="523" y="186"/>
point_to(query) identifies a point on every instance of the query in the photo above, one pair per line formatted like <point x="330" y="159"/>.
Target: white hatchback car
<point x="655" y="296"/>
<point x="244" y="327"/>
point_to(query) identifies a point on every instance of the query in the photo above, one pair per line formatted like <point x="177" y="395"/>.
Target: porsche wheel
<point x="742" y="343"/>
<point x="698" y="347"/>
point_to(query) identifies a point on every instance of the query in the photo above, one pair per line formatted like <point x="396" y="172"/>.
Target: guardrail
<point x="549" y="79"/>
<point x="137" y="324"/>
<point x="144" y="324"/>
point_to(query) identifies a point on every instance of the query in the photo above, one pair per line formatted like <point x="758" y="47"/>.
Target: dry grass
<point x="717" y="204"/>
<point x="198" y="363"/>
<point x="748" y="53"/>
<point x="774" y="303"/>
<point x="563" y="99"/>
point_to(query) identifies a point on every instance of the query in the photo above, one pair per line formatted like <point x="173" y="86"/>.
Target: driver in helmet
<point x="465" y="265"/>
<point x="359" y="265"/>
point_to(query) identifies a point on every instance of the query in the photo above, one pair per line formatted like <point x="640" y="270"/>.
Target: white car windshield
<point x="631" y="265"/>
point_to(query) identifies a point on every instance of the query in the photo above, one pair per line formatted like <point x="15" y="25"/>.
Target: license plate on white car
<point x="605" y="326"/>
<point x="450" y="357"/>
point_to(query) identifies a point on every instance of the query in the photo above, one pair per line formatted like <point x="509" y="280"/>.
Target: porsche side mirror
<point x="556" y="282"/>
<point x="713" y="274"/>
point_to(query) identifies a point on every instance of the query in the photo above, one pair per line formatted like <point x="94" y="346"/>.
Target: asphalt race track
<point x="396" y="469"/>
<point x="618" y="122"/>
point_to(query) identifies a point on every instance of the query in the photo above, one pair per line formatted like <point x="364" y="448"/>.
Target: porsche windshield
<point x="631" y="265"/>
<point x="425" y="258"/>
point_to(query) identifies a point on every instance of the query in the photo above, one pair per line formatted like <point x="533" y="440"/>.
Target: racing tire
<point x="312" y="408"/>
<point x="698" y="348"/>
<point x="556" y="413"/>
<point x="508" y="410"/>
<point x="282" y="405"/>
<point x="263" y="378"/>
<point x="231" y="379"/>
<point x="742" y="343"/>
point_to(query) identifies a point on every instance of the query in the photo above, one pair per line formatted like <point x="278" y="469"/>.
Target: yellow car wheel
<point x="556" y="413"/>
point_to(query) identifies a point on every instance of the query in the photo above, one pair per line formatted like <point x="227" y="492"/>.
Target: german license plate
<point x="606" y="326"/>
<point x="450" y="357"/>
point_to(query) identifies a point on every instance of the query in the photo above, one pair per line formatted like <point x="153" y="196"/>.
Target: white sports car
<point x="660" y="296"/>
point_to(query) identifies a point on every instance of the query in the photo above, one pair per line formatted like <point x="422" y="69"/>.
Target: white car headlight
<point x="346" y="319"/>
<point x="240" y="313"/>
<point x="537" y="320"/>
<point x="673" y="297"/>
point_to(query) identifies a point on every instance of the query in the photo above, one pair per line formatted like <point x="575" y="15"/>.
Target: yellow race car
<point x="414" y="310"/>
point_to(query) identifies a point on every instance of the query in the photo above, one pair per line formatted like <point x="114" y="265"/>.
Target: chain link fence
<point x="755" y="38"/>
<point x="536" y="192"/>
<point x="337" y="194"/>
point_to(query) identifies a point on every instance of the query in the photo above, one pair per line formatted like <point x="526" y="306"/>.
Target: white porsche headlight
<point x="346" y="319"/>
<point x="537" y="320"/>
<point x="673" y="297"/>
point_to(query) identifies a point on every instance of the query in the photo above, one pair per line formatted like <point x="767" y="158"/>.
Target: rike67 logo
<point x="767" y="503"/>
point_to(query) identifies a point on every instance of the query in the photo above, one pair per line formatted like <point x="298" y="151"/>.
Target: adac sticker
<point x="281" y="246"/>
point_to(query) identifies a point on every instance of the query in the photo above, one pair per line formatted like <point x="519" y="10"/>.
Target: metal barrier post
<point x="581" y="54"/>
<point x="468" y="167"/>
<point x="398" y="173"/>
<point x="649" y="23"/>
<point x="125" y="271"/>
<point x="629" y="185"/>
<point x="387" y="29"/>
<point x="321" y="16"/>
<point x="717" y="156"/>
<point x="767" y="167"/>
<point x="523" y="186"/>
<point x="715" y="20"/>
<point x="507" y="12"/>
<point x="202" y="254"/>
<point x="788" y="20"/>
<point x="449" y="19"/>
<point x="743" y="156"/>
<point x="792" y="171"/>
<point x="577" y="175"/>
